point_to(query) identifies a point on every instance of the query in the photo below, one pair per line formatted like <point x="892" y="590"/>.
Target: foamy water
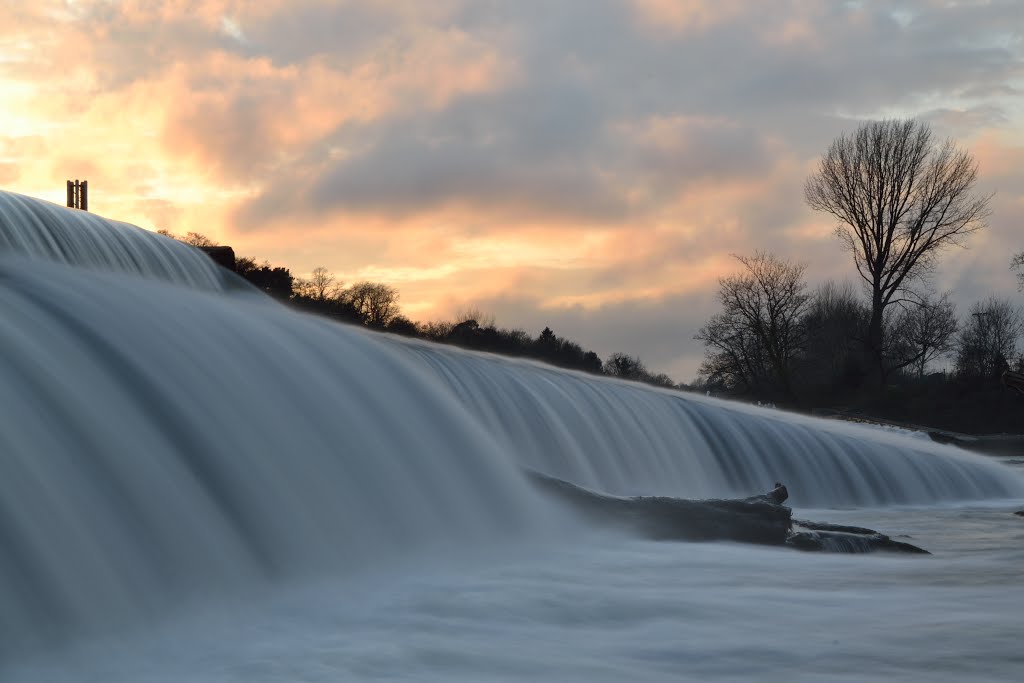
<point x="607" y="608"/>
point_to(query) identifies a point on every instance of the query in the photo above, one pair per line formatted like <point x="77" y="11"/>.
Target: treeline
<point x="898" y="197"/>
<point x="775" y="340"/>
<point x="374" y="305"/>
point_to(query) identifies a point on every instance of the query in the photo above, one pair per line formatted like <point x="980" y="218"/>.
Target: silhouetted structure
<point x="1013" y="380"/>
<point x="225" y="256"/>
<point x="78" y="195"/>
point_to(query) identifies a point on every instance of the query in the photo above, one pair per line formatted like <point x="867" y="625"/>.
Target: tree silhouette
<point x="277" y="282"/>
<point x="835" y="324"/>
<point x="376" y="302"/>
<point x="626" y="367"/>
<point x="321" y="285"/>
<point x="900" y="198"/>
<point x="754" y="342"/>
<point x="923" y="331"/>
<point x="988" y="341"/>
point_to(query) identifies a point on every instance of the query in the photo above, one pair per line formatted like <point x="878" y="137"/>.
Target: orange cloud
<point x="686" y="15"/>
<point x="544" y="158"/>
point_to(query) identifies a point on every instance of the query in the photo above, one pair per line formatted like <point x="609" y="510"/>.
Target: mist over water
<point x="172" y="441"/>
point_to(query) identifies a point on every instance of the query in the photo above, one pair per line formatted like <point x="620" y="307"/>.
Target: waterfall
<point x="42" y="230"/>
<point x="165" y="435"/>
<point x="630" y="439"/>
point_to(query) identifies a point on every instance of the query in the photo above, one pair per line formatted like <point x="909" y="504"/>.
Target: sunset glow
<point x="584" y="166"/>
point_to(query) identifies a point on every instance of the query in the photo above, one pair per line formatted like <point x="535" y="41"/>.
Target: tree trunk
<point x="876" y="336"/>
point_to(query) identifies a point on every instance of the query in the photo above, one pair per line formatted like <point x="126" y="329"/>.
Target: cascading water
<point x="42" y="230"/>
<point x="163" y="436"/>
<point x="629" y="439"/>
<point x="157" y="438"/>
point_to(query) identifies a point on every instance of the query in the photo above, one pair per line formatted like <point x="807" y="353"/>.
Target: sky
<point x="587" y="165"/>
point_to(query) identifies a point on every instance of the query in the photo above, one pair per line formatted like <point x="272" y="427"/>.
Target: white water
<point x="45" y="231"/>
<point x="197" y="485"/>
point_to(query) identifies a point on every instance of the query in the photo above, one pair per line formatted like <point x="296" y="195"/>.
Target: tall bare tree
<point x="754" y="342"/>
<point x="1017" y="264"/>
<point x="900" y="197"/>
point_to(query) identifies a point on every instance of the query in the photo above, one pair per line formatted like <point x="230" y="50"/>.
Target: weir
<point x="42" y="230"/>
<point x="165" y="435"/>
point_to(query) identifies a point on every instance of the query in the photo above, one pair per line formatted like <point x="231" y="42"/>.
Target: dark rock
<point x="777" y="496"/>
<point x="760" y="519"/>
<point x="844" y="539"/>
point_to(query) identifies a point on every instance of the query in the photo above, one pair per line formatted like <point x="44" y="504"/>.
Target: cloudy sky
<point x="588" y="165"/>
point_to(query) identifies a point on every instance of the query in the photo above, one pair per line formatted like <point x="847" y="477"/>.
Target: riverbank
<point x="1001" y="444"/>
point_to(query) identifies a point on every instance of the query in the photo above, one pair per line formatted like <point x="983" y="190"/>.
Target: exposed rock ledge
<point x="761" y="519"/>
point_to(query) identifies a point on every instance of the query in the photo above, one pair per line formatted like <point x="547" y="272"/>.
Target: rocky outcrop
<point x="838" y="538"/>
<point x="760" y="519"/>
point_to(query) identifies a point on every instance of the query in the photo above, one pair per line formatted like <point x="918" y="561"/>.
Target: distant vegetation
<point x="892" y="348"/>
<point x="899" y="198"/>
<point x="374" y="305"/>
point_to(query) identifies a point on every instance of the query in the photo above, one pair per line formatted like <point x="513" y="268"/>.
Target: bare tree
<point x="923" y="331"/>
<point x="1017" y="264"/>
<point x="196" y="239"/>
<point x="474" y="313"/>
<point x="755" y="340"/>
<point x="987" y="343"/>
<point x="437" y="330"/>
<point x="733" y="355"/>
<point x="900" y="197"/>
<point x="321" y="285"/>
<point x="376" y="303"/>
<point x="625" y="366"/>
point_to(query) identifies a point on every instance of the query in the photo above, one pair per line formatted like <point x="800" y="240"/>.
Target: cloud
<point x="587" y="161"/>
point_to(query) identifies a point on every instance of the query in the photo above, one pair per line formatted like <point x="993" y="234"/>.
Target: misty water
<point x="199" y="484"/>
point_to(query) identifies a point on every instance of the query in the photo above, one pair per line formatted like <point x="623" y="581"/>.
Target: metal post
<point x="78" y="194"/>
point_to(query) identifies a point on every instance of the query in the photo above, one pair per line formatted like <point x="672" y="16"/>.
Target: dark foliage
<point x="754" y="343"/>
<point x="275" y="281"/>
<point x="987" y="344"/>
<point x="834" y="362"/>
<point x="547" y="347"/>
